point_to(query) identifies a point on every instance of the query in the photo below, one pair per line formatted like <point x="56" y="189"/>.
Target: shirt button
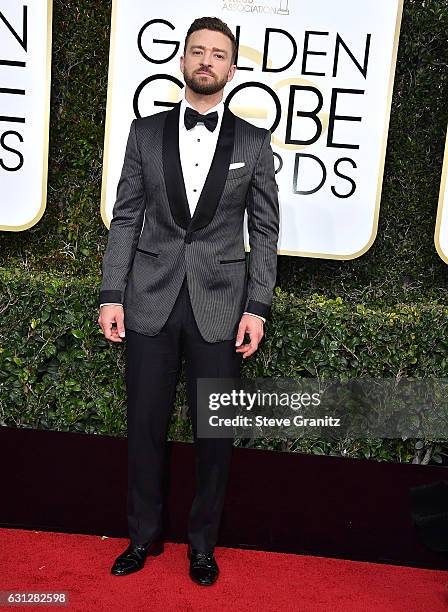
<point x="199" y="140"/>
<point x="195" y="190"/>
<point x="196" y="164"/>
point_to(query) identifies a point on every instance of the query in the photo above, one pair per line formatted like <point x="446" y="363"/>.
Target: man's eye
<point x="220" y="55"/>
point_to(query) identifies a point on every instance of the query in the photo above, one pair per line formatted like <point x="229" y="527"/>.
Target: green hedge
<point x="58" y="372"/>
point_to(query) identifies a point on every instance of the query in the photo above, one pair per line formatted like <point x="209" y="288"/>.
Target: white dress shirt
<point x="196" y="150"/>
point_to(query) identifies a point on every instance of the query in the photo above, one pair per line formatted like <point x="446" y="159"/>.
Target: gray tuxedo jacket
<point x="154" y="242"/>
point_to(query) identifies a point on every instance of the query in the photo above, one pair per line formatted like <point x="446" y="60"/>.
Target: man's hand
<point x="111" y="320"/>
<point x="253" y="326"/>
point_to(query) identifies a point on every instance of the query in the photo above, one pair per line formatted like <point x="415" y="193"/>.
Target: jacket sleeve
<point x="263" y="227"/>
<point x="126" y="224"/>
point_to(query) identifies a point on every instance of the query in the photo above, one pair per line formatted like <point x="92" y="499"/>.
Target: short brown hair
<point x="215" y="24"/>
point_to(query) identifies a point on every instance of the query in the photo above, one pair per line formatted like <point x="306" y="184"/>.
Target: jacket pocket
<point x="147" y="252"/>
<point x="236" y="173"/>
<point x="225" y="261"/>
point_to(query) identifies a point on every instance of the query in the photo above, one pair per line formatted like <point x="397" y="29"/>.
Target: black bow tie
<point x="192" y="117"/>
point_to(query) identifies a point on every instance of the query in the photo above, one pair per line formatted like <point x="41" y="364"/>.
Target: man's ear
<point x="231" y="72"/>
<point x="181" y="63"/>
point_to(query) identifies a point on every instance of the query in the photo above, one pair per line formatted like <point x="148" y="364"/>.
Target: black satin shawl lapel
<point x="217" y="175"/>
<point x="172" y="170"/>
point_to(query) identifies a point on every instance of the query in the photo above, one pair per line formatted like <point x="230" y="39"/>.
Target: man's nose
<point x="207" y="59"/>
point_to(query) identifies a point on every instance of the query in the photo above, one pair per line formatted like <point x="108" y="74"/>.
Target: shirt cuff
<point x="249" y="313"/>
<point x="255" y="315"/>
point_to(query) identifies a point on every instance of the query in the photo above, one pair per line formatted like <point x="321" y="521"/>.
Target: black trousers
<point x="152" y="369"/>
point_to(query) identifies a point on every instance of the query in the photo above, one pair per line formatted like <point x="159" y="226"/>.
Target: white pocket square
<point x="236" y="165"/>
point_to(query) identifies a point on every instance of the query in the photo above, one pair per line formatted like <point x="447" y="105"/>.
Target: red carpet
<point x="249" y="580"/>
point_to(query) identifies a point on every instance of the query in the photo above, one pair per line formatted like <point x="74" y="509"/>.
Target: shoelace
<point x="203" y="559"/>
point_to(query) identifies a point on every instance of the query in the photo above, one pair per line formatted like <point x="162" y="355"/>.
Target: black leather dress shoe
<point x="203" y="567"/>
<point x="133" y="558"/>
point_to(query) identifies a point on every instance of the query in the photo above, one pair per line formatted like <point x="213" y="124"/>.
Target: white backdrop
<point x="25" y="66"/>
<point x="441" y="233"/>
<point x="352" y="46"/>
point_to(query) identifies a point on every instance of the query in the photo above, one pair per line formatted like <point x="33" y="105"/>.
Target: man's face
<point x="206" y="65"/>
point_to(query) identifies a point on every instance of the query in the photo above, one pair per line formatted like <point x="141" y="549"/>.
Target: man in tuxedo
<point x="175" y="280"/>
